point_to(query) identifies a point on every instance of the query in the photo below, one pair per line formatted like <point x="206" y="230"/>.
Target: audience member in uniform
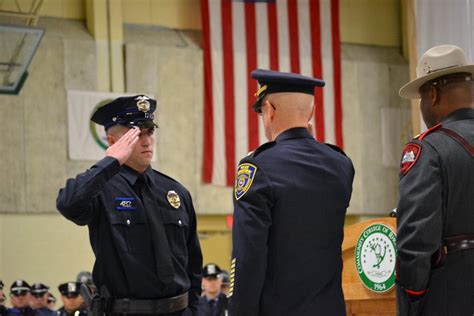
<point x="85" y="277"/>
<point x="51" y="301"/>
<point x="72" y="301"/>
<point x="212" y="302"/>
<point x="39" y="291"/>
<point x="3" y="309"/>
<point x="225" y="282"/>
<point x="20" y="299"/>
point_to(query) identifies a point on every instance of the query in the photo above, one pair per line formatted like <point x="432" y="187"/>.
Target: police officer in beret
<point x="213" y="302"/>
<point x="39" y="291"/>
<point x="435" y="217"/>
<point x="290" y="200"/>
<point x="142" y="223"/>
<point x="20" y="299"/>
<point x="73" y="304"/>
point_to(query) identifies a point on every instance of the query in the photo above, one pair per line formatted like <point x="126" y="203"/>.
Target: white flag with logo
<point x="86" y="139"/>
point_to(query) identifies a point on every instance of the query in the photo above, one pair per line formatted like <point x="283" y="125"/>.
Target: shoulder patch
<point x="262" y="148"/>
<point x="245" y="175"/>
<point x="410" y="155"/>
<point x="336" y="148"/>
<point x="428" y="131"/>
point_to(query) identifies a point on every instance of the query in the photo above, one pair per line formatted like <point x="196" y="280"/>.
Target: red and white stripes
<point x="300" y="36"/>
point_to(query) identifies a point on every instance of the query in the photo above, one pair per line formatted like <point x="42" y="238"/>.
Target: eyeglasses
<point x="20" y="293"/>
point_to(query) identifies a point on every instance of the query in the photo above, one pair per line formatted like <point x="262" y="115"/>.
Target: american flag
<point x="300" y="36"/>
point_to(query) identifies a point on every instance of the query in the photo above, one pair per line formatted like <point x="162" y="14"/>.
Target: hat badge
<point x="143" y="104"/>
<point x="71" y="287"/>
<point x="173" y="199"/>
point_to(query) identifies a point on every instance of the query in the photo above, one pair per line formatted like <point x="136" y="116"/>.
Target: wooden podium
<point x="359" y="300"/>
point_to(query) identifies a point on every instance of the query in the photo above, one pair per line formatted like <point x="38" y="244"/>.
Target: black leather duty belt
<point x="161" y="306"/>
<point x="458" y="243"/>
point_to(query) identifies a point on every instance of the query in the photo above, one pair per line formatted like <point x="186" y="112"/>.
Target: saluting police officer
<point x="142" y="223"/>
<point x="435" y="214"/>
<point x="290" y="200"/>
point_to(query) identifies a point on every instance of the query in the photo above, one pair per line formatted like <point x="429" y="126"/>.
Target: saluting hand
<point x="123" y="148"/>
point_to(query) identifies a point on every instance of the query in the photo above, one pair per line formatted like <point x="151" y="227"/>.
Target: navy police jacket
<point x="436" y="204"/>
<point x="290" y="200"/>
<point x="104" y="199"/>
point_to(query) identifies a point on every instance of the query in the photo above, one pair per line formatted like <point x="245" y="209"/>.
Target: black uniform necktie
<point x="164" y="265"/>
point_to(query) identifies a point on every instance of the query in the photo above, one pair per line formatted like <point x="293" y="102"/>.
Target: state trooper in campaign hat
<point x="290" y="201"/>
<point x="131" y="111"/>
<point x="435" y="218"/>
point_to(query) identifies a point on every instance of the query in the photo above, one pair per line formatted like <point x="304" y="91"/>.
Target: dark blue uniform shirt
<point x="104" y="198"/>
<point x="62" y="312"/>
<point x="44" y="312"/>
<point x="290" y="201"/>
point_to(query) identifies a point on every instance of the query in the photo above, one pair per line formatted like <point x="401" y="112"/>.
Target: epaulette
<point x="336" y="148"/>
<point x="428" y="131"/>
<point x="262" y="147"/>
<point x="166" y="176"/>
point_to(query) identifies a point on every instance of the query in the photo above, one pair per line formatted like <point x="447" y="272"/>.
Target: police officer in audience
<point x="225" y="282"/>
<point x="435" y="215"/>
<point x="39" y="291"/>
<point x="85" y="277"/>
<point x="73" y="304"/>
<point x="213" y="302"/>
<point x="20" y="292"/>
<point x="290" y="201"/>
<point x="51" y="301"/>
<point x="3" y="298"/>
<point x="142" y="223"/>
